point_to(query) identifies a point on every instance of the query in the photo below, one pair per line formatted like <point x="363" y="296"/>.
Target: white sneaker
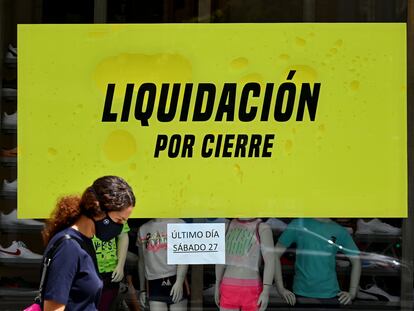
<point x="382" y="295"/>
<point x="376" y="226"/>
<point x="276" y="224"/>
<point x="18" y="250"/>
<point x="9" y="187"/>
<point x="364" y="296"/>
<point x="9" y="121"/>
<point x="12" y="220"/>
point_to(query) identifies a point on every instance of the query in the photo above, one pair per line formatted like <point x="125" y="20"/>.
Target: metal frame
<point x="408" y="224"/>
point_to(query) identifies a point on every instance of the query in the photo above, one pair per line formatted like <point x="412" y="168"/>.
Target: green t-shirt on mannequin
<point x="317" y="243"/>
<point x="107" y="252"/>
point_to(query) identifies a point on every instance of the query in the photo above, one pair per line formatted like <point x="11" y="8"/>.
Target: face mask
<point x="106" y="229"/>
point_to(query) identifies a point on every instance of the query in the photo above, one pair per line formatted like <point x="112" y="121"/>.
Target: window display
<point x="271" y="263"/>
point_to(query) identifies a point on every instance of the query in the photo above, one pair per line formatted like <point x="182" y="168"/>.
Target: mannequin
<point x="111" y="256"/>
<point x="318" y="241"/>
<point x="238" y="282"/>
<point x="165" y="282"/>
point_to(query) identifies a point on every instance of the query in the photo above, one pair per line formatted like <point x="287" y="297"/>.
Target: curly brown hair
<point x="107" y="193"/>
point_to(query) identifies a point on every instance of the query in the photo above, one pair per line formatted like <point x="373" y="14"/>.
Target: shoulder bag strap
<point x="47" y="258"/>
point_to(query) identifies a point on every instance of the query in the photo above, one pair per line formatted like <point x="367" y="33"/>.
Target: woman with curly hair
<point x="72" y="281"/>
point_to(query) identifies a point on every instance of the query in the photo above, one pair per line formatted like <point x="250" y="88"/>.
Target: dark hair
<point x="108" y="193"/>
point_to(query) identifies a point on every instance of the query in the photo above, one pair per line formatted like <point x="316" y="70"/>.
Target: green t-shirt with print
<point x="107" y="253"/>
<point x="317" y="244"/>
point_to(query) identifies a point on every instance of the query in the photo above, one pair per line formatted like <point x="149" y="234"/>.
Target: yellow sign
<point x="216" y="120"/>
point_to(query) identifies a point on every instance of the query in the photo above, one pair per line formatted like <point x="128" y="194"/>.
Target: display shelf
<point x="8" y="161"/>
<point x="10" y="62"/>
<point x="9" y="98"/>
<point x="20" y="262"/>
<point x="277" y="303"/>
<point x="18" y="293"/>
<point x="20" y="229"/>
<point x="9" y="131"/>
<point x="379" y="238"/>
<point x="15" y="304"/>
<point x="8" y="195"/>
<point x="377" y="271"/>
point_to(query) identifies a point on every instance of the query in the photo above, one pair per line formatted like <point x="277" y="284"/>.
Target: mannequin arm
<point x="219" y="276"/>
<point x="355" y="275"/>
<point x="122" y="247"/>
<point x="141" y="274"/>
<point x="266" y="245"/>
<point x="287" y="295"/>
<point x="177" y="289"/>
<point x="347" y="297"/>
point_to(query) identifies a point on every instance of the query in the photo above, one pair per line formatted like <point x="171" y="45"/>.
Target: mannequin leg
<point x="222" y="309"/>
<point x="179" y="306"/>
<point x="158" y="306"/>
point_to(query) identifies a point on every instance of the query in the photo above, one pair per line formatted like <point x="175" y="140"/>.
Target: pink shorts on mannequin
<point x="240" y="294"/>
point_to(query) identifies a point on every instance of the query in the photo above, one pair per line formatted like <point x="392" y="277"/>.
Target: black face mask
<point x="106" y="229"/>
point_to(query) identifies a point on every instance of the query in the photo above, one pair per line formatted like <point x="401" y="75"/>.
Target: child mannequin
<point x="165" y="282"/>
<point x="318" y="240"/>
<point x="238" y="282"/>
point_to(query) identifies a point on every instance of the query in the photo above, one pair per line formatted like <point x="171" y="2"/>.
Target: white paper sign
<point x="196" y="244"/>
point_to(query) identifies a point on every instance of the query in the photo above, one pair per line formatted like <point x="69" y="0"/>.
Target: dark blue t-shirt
<point x="72" y="278"/>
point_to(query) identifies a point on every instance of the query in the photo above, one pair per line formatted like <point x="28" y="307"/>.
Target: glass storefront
<point x="305" y="262"/>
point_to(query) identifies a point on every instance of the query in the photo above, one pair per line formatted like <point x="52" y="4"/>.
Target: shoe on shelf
<point x="374" y="260"/>
<point x="363" y="296"/>
<point x="9" y="121"/>
<point x="12" y="220"/>
<point x="12" y="50"/>
<point x="381" y="294"/>
<point x="9" y="153"/>
<point x="11" y="54"/>
<point x="18" y="250"/>
<point x="376" y="226"/>
<point x="276" y="224"/>
<point x="9" y="187"/>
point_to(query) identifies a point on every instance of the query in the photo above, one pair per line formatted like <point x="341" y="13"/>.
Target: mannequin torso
<point x="165" y="281"/>
<point x="247" y="241"/>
